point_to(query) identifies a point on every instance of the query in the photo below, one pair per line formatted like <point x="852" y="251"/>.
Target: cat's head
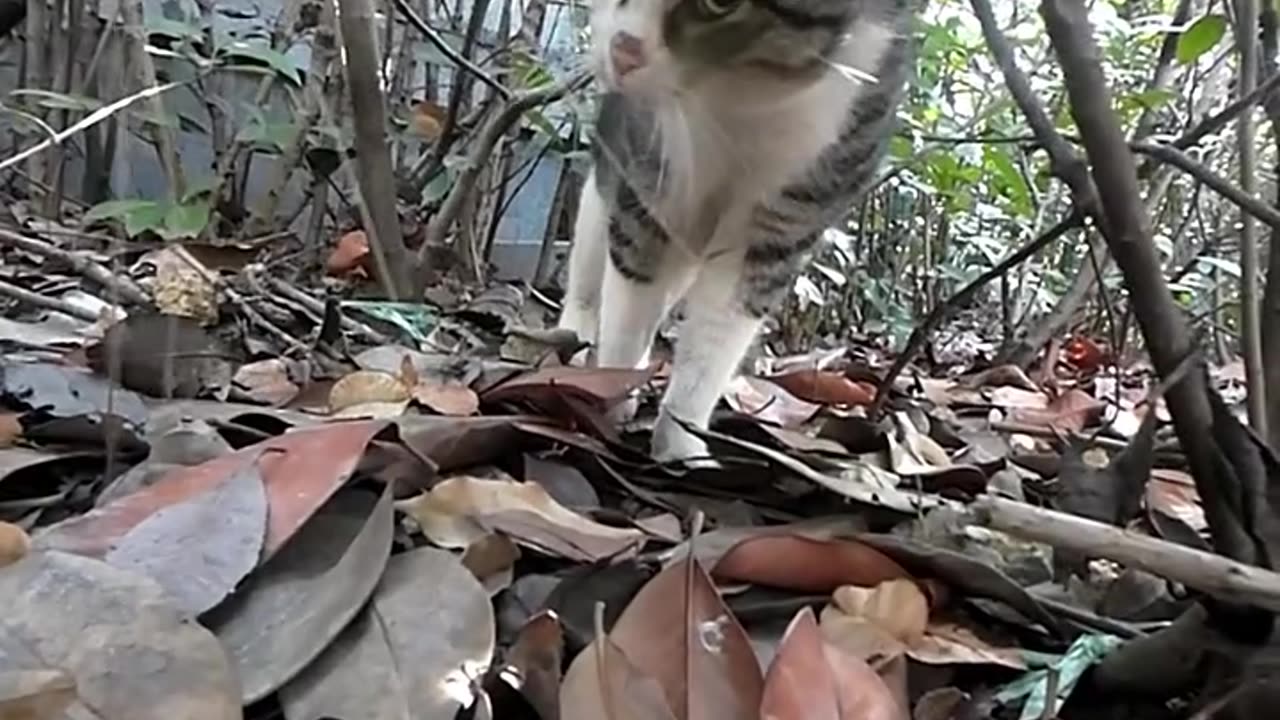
<point x="655" y="48"/>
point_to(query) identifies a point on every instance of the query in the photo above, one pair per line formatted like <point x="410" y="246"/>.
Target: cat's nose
<point x="626" y="51"/>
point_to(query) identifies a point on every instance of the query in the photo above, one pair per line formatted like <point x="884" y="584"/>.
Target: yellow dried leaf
<point x="897" y="606"/>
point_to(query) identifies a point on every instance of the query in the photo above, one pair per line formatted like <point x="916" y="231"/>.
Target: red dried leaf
<point x="806" y="565"/>
<point x="300" y="469"/>
<point x="349" y="255"/>
<point x="826" y="388"/>
<point x="811" y="680"/>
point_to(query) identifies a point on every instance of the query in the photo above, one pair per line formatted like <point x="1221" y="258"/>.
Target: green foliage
<point x="170" y="220"/>
<point x="1200" y="37"/>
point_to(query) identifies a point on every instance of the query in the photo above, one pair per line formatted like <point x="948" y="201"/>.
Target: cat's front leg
<point x="587" y="258"/>
<point x="716" y="333"/>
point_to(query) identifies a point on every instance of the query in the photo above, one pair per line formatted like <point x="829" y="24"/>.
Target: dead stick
<point x="1209" y="573"/>
<point x="49" y="303"/>
<point x="126" y="289"/>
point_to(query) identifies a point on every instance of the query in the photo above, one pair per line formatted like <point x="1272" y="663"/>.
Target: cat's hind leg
<point x="717" y="331"/>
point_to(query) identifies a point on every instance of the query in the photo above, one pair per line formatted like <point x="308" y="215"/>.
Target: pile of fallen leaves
<point x="287" y="517"/>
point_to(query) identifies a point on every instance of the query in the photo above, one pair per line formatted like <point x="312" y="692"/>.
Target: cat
<point x="729" y="136"/>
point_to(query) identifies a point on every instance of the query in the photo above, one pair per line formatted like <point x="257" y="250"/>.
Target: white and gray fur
<point x="752" y="127"/>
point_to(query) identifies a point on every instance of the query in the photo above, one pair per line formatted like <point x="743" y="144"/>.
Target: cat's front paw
<point x="672" y="443"/>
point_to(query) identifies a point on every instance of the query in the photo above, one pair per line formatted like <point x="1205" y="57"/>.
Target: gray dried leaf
<point x="201" y="548"/>
<point x="129" y="652"/>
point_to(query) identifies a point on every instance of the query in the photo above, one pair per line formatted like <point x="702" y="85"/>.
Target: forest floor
<point x="229" y="492"/>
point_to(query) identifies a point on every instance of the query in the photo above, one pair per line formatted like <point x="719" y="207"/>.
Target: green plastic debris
<point x="1034" y="685"/>
<point x="414" y="319"/>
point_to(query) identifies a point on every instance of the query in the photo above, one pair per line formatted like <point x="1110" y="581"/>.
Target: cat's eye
<point x="713" y="9"/>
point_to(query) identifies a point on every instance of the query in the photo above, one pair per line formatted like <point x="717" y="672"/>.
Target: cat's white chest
<point x="722" y="160"/>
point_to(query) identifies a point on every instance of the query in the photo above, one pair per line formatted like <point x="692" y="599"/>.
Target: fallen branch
<point x="38" y="300"/>
<point x="940" y="312"/>
<point x="1175" y="157"/>
<point x="1212" y="574"/>
<point x="497" y="125"/>
<point x="123" y="288"/>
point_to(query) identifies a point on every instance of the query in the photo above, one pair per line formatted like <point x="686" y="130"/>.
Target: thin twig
<point x="1175" y="157"/>
<point x="447" y="50"/>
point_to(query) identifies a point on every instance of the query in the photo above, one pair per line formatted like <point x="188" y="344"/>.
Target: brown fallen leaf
<point x="300" y="469"/>
<point x="266" y="381"/>
<point x="491" y="559"/>
<point x="464" y="509"/>
<point x="602" y="682"/>
<point x="805" y="564"/>
<point x="812" y="680"/>
<point x="14" y="544"/>
<point x="349" y="255"/>
<point x="10" y="429"/>
<point x="446" y="398"/>
<point x="535" y="659"/>
<point x="599" y="387"/>
<point x="678" y="631"/>
<point x="826" y="387"/>
<point x="947" y="643"/>
<point x="1173" y="492"/>
<point x="1072" y="411"/>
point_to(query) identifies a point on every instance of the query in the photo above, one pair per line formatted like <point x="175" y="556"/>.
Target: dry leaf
<point x="14" y="544"/>
<point x="768" y="401"/>
<point x="301" y="470"/>
<point x="492" y="560"/>
<point x="805" y="564"/>
<point x="898" y="606"/>
<point x="603" y="684"/>
<point x="1070" y="412"/>
<point x="350" y="255"/>
<point x="446" y="398"/>
<point x="946" y="643"/>
<point x="10" y="429"/>
<point x="860" y="637"/>
<point x="35" y="694"/>
<point x="811" y="680"/>
<point x="536" y="658"/>
<point x="463" y="509"/>
<point x="368" y="393"/>
<point x="826" y="387"/>
<point x="266" y="381"/>
<point x="130" y="653"/>
<point x="201" y="548"/>
<point x="426" y="120"/>
<point x="1174" y="493"/>
<point x="679" y="632"/>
